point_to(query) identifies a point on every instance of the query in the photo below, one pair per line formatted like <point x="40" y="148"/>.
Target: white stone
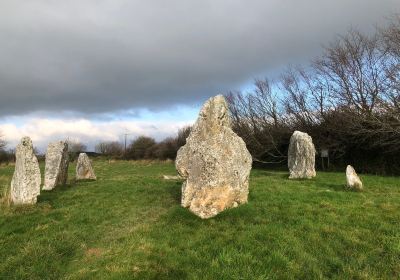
<point x="215" y="163"/>
<point x="56" y="168"/>
<point x="301" y="156"/>
<point x="84" y="169"/>
<point x="353" y="181"/>
<point x="25" y="184"/>
<point x="172" y="177"/>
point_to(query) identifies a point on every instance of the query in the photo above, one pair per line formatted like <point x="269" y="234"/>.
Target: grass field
<point x="129" y="224"/>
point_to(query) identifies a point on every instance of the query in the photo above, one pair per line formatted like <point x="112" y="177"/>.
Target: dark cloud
<point x="100" y="56"/>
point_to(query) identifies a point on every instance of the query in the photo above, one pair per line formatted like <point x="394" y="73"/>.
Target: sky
<point x="93" y="70"/>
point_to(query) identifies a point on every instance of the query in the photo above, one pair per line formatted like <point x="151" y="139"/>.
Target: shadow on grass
<point x="50" y="195"/>
<point x="75" y="182"/>
<point x="307" y="180"/>
<point x="60" y="188"/>
<point x="284" y="176"/>
<point x="334" y="187"/>
<point x="273" y="174"/>
<point x="259" y="173"/>
<point x="174" y="191"/>
<point x="179" y="215"/>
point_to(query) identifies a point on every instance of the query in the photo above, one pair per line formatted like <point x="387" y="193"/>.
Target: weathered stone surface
<point x="301" y="156"/>
<point x="56" y="169"/>
<point x="84" y="169"/>
<point x="353" y="181"/>
<point x="215" y="163"/>
<point x="25" y="184"/>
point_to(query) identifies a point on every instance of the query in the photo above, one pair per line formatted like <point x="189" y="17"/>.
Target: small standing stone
<point x="301" y="156"/>
<point x="353" y="181"/>
<point x="56" y="169"/>
<point x="214" y="162"/>
<point x="25" y="184"/>
<point x="84" y="169"/>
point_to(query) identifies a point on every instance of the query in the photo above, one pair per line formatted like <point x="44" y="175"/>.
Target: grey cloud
<point x="103" y="56"/>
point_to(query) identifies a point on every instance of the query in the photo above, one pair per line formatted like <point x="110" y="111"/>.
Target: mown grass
<point x="129" y="224"/>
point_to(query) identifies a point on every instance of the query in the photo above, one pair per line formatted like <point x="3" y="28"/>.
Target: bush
<point x="111" y="149"/>
<point x="141" y="148"/>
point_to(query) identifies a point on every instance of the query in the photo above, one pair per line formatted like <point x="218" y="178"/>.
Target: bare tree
<point x="4" y="156"/>
<point x="257" y="118"/>
<point x="390" y="37"/>
<point x="353" y="67"/>
<point x="3" y="142"/>
<point x="166" y="149"/>
<point x="308" y="96"/>
<point x="110" y="148"/>
<point x="298" y="103"/>
<point x="348" y="100"/>
<point x="183" y="133"/>
<point x="75" y="146"/>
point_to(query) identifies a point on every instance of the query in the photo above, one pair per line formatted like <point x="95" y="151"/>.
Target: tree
<point x="363" y="78"/>
<point x="354" y="70"/>
<point x="390" y="38"/>
<point x="181" y="136"/>
<point x="307" y="96"/>
<point x="348" y="100"/>
<point x="166" y="149"/>
<point x="111" y="148"/>
<point x="75" y="146"/>
<point x="141" y="148"/>
<point x="5" y="156"/>
<point x="3" y="143"/>
<point x="257" y="117"/>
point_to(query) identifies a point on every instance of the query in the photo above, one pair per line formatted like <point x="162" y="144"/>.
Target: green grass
<point x="129" y="224"/>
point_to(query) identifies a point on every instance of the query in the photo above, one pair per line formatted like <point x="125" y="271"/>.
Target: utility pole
<point x="125" y="136"/>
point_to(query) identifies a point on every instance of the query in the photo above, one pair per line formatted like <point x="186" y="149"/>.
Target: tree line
<point x="347" y="99"/>
<point x="144" y="147"/>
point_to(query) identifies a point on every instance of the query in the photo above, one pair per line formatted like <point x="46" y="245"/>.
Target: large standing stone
<point x="353" y="181"/>
<point x="25" y="184"/>
<point x="301" y="156"/>
<point x="84" y="169"/>
<point x="56" y="169"/>
<point x="214" y="162"/>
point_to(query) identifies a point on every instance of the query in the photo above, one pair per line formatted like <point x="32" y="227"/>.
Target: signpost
<point x="324" y="154"/>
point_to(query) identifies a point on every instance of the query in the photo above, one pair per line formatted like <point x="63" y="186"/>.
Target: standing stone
<point x="84" y="169"/>
<point x="56" y="169"/>
<point x="215" y="163"/>
<point x="353" y="181"/>
<point x="25" y="184"/>
<point x="301" y="156"/>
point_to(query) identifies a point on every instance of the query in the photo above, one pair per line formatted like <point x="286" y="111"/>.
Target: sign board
<point x="324" y="153"/>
